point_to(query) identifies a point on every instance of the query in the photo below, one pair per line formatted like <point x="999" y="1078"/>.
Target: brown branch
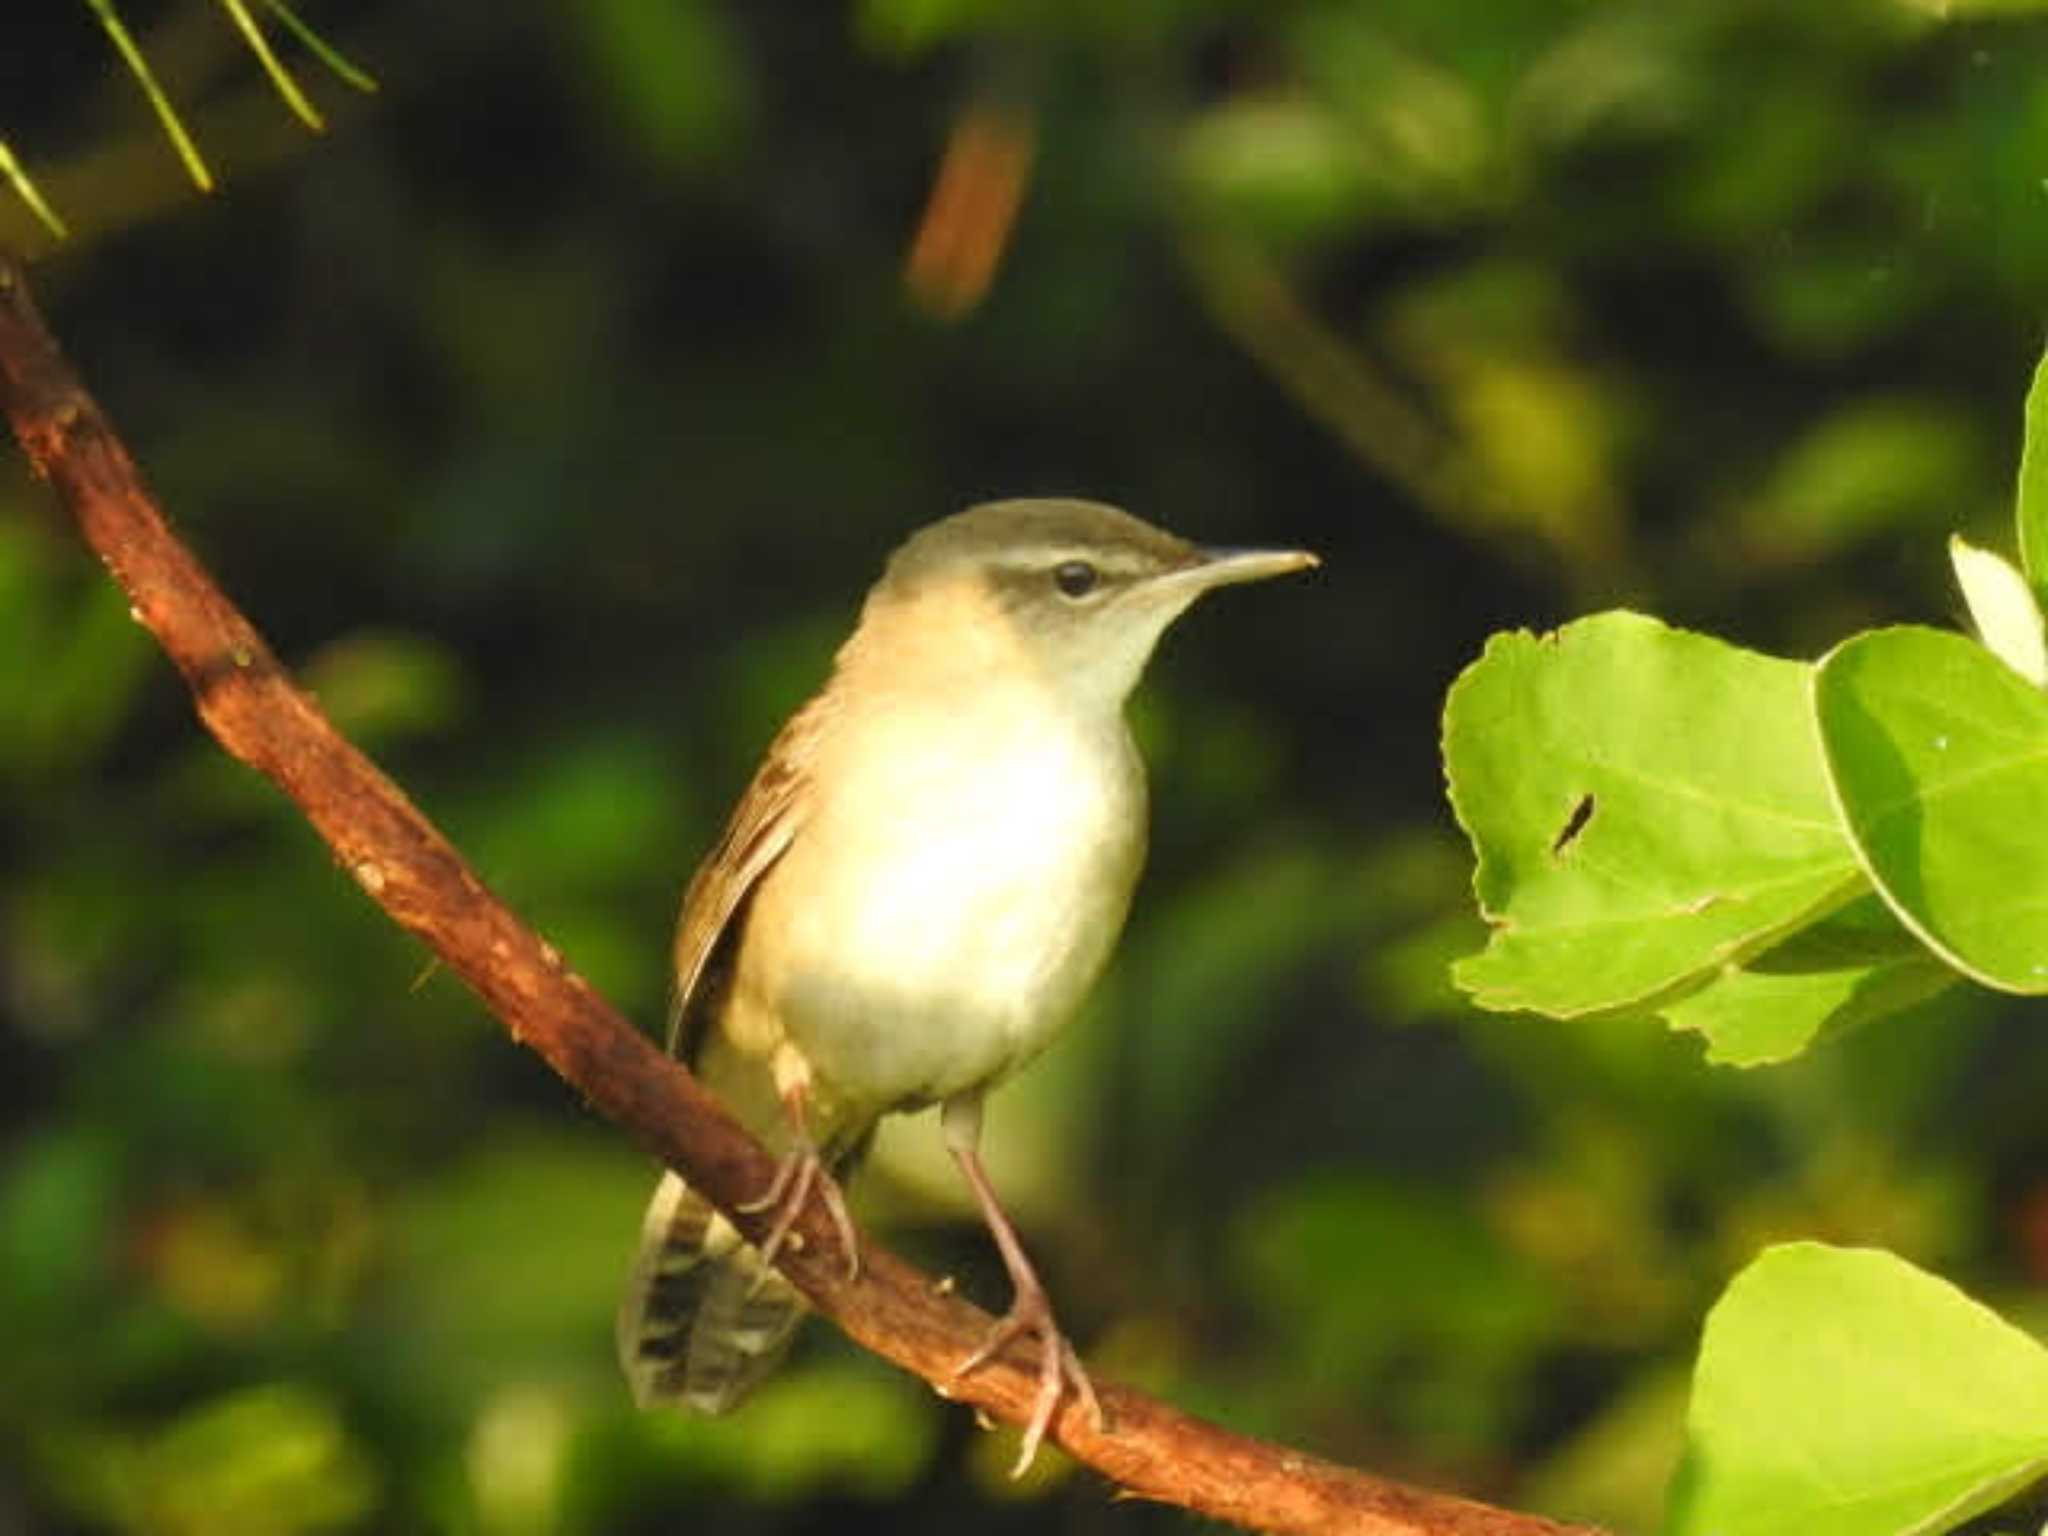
<point x="251" y="704"/>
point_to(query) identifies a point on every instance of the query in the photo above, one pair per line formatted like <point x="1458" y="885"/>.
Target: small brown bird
<point x="926" y="875"/>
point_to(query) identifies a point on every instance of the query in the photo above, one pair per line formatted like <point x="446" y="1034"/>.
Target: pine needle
<point x="280" y="77"/>
<point x="320" y="48"/>
<point x="27" y="191"/>
<point x="166" y="114"/>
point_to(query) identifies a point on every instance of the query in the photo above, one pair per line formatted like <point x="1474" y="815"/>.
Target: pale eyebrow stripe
<point x="1046" y="557"/>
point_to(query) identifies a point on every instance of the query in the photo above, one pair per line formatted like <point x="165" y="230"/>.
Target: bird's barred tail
<point x="703" y="1320"/>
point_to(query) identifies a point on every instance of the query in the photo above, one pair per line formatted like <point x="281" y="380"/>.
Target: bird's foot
<point x="801" y="1171"/>
<point x="1058" y="1367"/>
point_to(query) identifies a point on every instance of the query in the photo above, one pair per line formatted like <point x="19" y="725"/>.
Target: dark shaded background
<point x="551" y="414"/>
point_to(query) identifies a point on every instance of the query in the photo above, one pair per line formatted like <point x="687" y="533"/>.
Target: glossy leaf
<point x="1853" y="966"/>
<point x="1647" y="806"/>
<point x="2033" y="488"/>
<point x="1842" y="1392"/>
<point x="1938" y="754"/>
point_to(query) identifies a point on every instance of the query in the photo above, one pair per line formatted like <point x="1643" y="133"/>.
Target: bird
<point x="924" y="878"/>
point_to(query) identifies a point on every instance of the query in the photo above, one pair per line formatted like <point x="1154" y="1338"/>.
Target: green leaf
<point x="385" y="685"/>
<point x="2002" y="607"/>
<point x="1863" y="469"/>
<point x="1842" y="1392"/>
<point x="274" y="1457"/>
<point x="675" y="74"/>
<point x="2033" y="489"/>
<point x="1853" y="966"/>
<point x="1281" y="168"/>
<point x="1647" y="806"/>
<point x="908" y="28"/>
<point x="1938" y="754"/>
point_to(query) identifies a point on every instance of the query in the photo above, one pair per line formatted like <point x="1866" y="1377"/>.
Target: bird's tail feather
<point x="703" y="1319"/>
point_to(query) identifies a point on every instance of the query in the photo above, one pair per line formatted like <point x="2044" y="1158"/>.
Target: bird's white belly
<point x="943" y="921"/>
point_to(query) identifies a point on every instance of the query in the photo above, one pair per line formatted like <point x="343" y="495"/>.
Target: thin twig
<point x="251" y="704"/>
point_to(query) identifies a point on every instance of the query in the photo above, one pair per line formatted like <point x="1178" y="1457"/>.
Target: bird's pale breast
<point x="948" y="904"/>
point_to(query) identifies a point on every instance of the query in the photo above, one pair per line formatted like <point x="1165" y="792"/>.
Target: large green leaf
<point x="1842" y="1392"/>
<point x="2033" y="491"/>
<point x="1853" y="966"/>
<point x="1938" y="753"/>
<point x="1647" y="806"/>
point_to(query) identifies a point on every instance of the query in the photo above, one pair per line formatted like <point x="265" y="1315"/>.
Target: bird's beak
<point x="1227" y="567"/>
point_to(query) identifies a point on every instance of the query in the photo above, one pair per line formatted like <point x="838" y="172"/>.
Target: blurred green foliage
<point x="551" y="414"/>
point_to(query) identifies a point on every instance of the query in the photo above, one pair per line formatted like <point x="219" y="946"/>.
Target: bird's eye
<point x="1075" y="578"/>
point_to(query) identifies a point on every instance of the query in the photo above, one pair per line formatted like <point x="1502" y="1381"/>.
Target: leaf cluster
<point x="1766" y="852"/>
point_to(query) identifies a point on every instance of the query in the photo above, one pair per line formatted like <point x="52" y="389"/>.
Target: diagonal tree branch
<point x="250" y="703"/>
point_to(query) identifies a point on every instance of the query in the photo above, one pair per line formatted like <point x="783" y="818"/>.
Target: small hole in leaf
<point x="1574" y="824"/>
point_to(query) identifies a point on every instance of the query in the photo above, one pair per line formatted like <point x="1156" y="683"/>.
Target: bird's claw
<point x="1058" y="1366"/>
<point x="800" y="1171"/>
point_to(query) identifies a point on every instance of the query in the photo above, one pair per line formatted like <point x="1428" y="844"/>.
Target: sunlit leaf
<point x="1647" y="806"/>
<point x="2032" y="500"/>
<point x="1852" y="966"/>
<point x="1938" y="754"/>
<point x="1842" y="1392"/>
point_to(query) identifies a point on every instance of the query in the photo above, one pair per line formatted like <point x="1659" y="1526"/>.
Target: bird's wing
<point x="763" y="825"/>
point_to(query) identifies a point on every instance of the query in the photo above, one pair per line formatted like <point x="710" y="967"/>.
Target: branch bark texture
<point x="250" y="703"/>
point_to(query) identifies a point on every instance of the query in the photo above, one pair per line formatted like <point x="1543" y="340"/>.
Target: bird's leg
<point x="800" y="1171"/>
<point x="1031" y="1309"/>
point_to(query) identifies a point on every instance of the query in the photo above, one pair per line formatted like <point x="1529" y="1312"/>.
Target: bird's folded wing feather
<point x="763" y="825"/>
